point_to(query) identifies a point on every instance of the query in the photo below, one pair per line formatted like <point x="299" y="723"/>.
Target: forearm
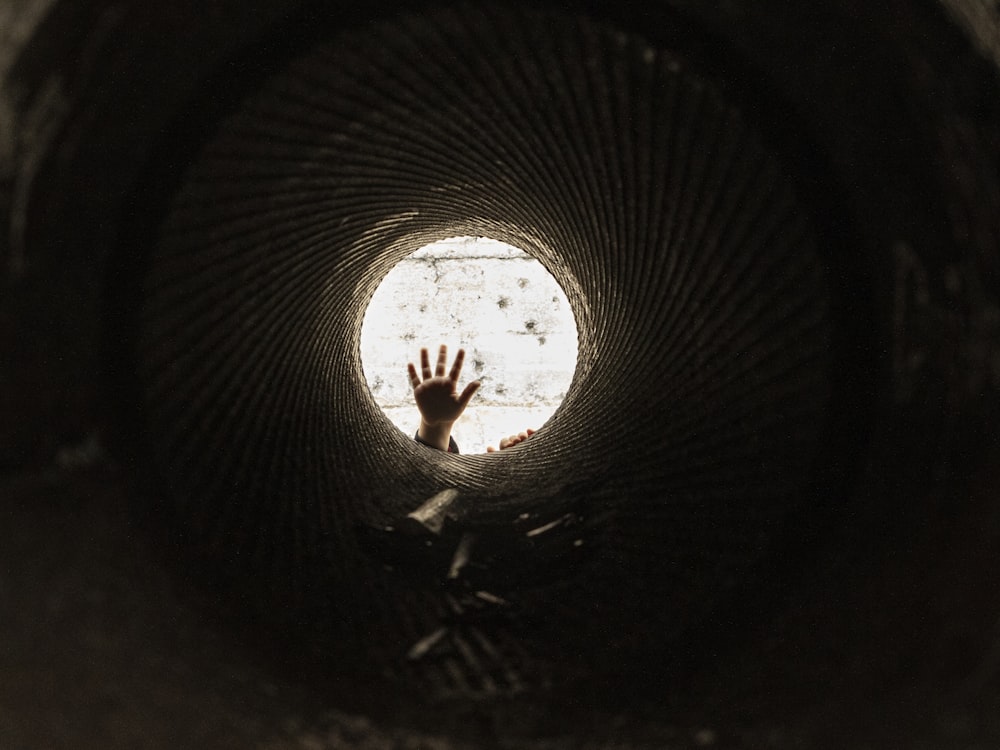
<point x="435" y="435"/>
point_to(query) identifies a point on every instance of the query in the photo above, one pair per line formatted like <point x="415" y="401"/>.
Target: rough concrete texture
<point x="498" y="303"/>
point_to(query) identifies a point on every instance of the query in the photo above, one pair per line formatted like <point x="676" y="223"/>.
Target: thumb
<point x="468" y="393"/>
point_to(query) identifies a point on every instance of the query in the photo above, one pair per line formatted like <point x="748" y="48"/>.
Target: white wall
<point x="496" y="302"/>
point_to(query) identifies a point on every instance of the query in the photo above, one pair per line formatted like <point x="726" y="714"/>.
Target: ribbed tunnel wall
<point x="782" y="263"/>
<point x="701" y="296"/>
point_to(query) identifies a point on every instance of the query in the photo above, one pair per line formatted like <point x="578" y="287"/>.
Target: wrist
<point x="435" y="435"/>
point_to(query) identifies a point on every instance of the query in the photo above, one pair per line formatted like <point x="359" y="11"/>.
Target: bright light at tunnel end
<point x="499" y="304"/>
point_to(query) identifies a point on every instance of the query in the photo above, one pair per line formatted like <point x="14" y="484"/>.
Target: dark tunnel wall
<point x="779" y="229"/>
<point x="352" y="160"/>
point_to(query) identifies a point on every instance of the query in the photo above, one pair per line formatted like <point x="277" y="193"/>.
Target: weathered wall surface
<point x="499" y="304"/>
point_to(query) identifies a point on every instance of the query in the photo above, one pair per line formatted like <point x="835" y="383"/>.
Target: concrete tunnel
<point x="765" y="514"/>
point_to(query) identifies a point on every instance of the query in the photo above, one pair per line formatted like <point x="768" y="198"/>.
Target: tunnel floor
<point x="102" y="647"/>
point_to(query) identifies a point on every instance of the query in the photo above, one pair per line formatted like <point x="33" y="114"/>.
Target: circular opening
<point x="499" y="304"/>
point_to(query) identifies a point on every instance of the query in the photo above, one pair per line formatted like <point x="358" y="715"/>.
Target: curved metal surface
<point x="778" y="228"/>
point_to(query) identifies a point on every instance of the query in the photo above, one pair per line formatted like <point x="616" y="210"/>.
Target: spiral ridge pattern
<point x="695" y="420"/>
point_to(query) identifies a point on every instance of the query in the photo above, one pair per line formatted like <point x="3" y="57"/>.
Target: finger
<point x="425" y="363"/>
<point x="442" y="361"/>
<point x="414" y="379"/>
<point x="468" y="393"/>
<point x="456" y="369"/>
<point x="491" y="449"/>
<point x="504" y="443"/>
<point x="522" y="436"/>
<point x="530" y="432"/>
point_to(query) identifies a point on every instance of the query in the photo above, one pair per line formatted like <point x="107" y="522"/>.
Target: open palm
<point x="437" y="394"/>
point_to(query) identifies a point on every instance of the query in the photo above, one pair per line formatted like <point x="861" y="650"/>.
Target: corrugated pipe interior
<point x="701" y="411"/>
<point x="778" y="231"/>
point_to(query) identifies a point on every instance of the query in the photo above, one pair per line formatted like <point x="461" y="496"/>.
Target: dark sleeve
<point x="452" y="445"/>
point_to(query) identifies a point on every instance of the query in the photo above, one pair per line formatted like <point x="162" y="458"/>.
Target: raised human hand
<point x="512" y="440"/>
<point x="437" y="396"/>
